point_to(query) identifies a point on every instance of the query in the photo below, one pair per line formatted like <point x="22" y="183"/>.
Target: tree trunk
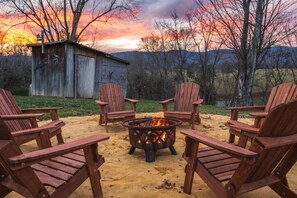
<point x="243" y="67"/>
<point x="255" y="50"/>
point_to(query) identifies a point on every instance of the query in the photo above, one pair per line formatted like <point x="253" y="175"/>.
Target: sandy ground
<point x="125" y="176"/>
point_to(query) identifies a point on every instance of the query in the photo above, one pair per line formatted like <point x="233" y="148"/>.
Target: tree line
<point x="148" y="81"/>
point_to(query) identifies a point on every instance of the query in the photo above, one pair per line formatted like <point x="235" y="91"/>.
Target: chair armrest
<point x="234" y="111"/>
<point x="40" y="110"/>
<point x="238" y="152"/>
<point x="198" y="102"/>
<point x="33" y="130"/>
<point x="131" y="100"/>
<point x="167" y="101"/>
<point x="259" y="114"/>
<point x="21" y="116"/>
<point x="28" y="159"/>
<point x="101" y="103"/>
<point x="274" y="142"/>
<point x="242" y="127"/>
<point x="53" y="111"/>
<point x="103" y="106"/>
<point x="247" y="108"/>
<point x="31" y="117"/>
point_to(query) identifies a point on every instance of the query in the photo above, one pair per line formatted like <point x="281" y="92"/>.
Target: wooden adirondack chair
<point x="230" y="170"/>
<point x="22" y="122"/>
<point x="112" y="104"/>
<point x="279" y="94"/>
<point x="63" y="167"/>
<point x="186" y="103"/>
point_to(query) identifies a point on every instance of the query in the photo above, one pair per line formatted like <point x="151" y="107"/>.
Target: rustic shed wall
<point x="110" y="71"/>
<point x="69" y="76"/>
<point x="48" y="71"/>
<point x="71" y="70"/>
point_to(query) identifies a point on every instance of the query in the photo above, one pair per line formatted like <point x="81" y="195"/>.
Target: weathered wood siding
<point x="71" y="70"/>
<point x="85" y="65"/>
<point x="48" y="72"/>
<point x="69" y="76"/>
<point x="85" y="76"/>
<point x="110" y="71"/>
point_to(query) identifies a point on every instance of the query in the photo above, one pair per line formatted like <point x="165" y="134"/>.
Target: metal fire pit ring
<point x="151" y="138"/>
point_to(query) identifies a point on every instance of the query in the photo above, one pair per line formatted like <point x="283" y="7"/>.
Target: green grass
<point x="82" y="107"/>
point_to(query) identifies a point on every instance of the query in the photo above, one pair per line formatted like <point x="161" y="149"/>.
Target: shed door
<point x="85" y="76"/>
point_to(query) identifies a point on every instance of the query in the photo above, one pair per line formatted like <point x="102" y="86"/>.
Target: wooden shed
<point x="67" y="69"/>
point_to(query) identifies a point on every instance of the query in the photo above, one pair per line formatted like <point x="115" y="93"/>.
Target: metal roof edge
<point x="82" y="46"/>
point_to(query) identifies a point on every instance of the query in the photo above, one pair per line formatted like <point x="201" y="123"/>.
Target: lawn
<point x="82" y="107"/>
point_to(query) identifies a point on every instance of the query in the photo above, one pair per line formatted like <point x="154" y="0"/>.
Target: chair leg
<point x="192" y="146"/>
<point x="192" y="122"/>
<point x="4" y="191"/>
<point x="231" y="138"/>
<point x="198" y="118"/>
<point x="100" y="119"/>
<point x="43" y="141"/>
<point x="93" y="172"/>
<point x="282" y="189"/>
<point x="106" y="128"/>
<point x="60" y="137"/>
<point x="242" y="141"/>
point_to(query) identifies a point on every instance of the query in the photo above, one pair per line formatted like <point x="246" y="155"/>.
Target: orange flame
<point x="157" y="122"/>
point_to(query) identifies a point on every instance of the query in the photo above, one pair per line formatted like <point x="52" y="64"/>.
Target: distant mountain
<point x="226" y="56"/>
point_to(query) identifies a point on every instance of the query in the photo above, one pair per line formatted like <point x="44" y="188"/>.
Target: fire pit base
<point x="150" y="154"/>
<point x="151" y="134"/>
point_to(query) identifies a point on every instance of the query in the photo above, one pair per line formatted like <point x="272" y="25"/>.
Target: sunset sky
<point x="123" y="35"/>
<point x="126" y="36"/>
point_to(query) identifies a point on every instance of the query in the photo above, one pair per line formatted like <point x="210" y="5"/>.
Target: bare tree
<point x="250" y="29"/>
<point x="277" y="67"/>
<point x="66" y="19"/>
<point x="207" y="47"/>
<point x="159" y="65"/>
<point x="292" y="41"/>
<point x="168" y="49"/>
<point x="180" y="42"/>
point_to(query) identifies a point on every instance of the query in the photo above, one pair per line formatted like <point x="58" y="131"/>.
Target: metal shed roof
<point x="106" y="55"/>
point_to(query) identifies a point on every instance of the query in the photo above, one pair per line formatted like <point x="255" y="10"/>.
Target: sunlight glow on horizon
<point x="122" y="44"/>
<point x="116" y="36"/>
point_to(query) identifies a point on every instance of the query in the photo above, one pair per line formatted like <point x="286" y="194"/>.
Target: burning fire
<point x="158" y="136"/>
<point x="155" y="122"/>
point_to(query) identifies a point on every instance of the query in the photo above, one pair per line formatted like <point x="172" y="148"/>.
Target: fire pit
<point x="151" y="134"/>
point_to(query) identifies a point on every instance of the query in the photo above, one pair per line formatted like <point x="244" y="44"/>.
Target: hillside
<point x="281" y="53"/>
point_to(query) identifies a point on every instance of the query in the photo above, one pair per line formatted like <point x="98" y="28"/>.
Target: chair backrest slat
<point x="113" y="95"/>
<point x="281" y="94"/>
<point x="185" y="95"/>
<point x="8" y="106"/>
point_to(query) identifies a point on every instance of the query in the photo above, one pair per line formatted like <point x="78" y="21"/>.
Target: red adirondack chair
<point x="112" y="104"/>
<point x="279" y="94"/>
<point x="62" y="167"/>
<point x="22" y="122"/>
<point x="186" y="103"/>
<point x="230" y="170"/>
